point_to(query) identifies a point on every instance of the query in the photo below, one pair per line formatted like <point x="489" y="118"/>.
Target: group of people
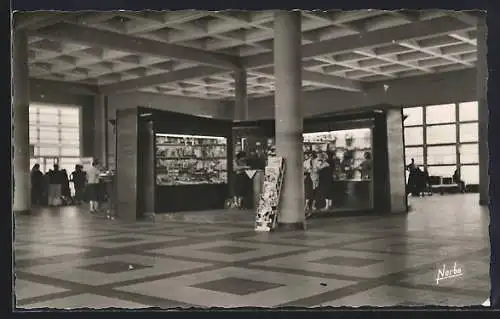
<point x="322" y="169"/>
<point x="53" y="188"/>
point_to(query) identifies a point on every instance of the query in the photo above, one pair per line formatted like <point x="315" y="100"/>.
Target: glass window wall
<point x="414" y="136"/>
<point x="54" y="135"/>
<point x="414" y="115"/>
<point x="441" y="134"/>
<point x="469" y="132"/>
<point x="469" y="154"/>
<point x="439" y="114"/>
<point x="439" y="155"/>
<point x="470" y="174"/>
<point x="444" y="138"/>
<point x="417" y="153"/>
<point x="468" y="111"/>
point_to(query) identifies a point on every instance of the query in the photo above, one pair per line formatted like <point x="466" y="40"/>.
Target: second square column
<point x="288" y="115"/>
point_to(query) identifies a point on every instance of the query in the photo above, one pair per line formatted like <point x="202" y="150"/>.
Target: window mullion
<point x="59" y="124"/>
<point x="38" y="129"/>
<point x="457" y="129"/>
<point x="424" y="137"/>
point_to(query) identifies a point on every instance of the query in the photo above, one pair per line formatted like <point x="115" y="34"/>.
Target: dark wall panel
<point x="88" y="127"/>
<point x="146" y="168"/>
<point x="171" y="199"/>
<point x="177" y="123"/>
<point x="380" y="167"/>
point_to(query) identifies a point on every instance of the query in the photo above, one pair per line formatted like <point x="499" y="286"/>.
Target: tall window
<point x="55" y="135"/>
<point x="439" y="114"/>
<point x="443" y="138"/>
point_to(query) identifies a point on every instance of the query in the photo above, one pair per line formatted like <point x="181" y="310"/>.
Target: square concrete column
<point x="396" y="163"/>
<point x="21" y="117"/>
<point x="482" y="89"/>
<point x="241" y="98"/>
<point x="100" y="126"/>
<point x="288" y="115"/>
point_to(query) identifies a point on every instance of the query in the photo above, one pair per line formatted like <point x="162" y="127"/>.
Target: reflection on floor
<point x="68" y="259"/>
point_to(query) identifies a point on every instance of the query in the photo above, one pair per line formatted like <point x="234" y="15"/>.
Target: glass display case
<point x="350" y="149"/>
<point x="338" y="167"/>
<point x="190" y="160"/>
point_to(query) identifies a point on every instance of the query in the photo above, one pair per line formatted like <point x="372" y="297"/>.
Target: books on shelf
<point x="190" y="160"/>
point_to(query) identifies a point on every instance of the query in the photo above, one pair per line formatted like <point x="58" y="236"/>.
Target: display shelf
<point x="349" y="146"/>
<point x="190" y="160"/>
<point x="194" y="145"/>
<point x="338" y="147"/>
<point x="162" y="171"/>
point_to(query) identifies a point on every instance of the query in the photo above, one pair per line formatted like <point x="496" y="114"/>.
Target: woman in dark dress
<point x="55" y="180"/>
<point x="412" y="177"/>
<point x="308" y="183"/>
<point x="65" y="189"/>
<point x="335" y="164"/>
<point x="325" y="182"/>
<point x="241" y="179"/>
<point x="366" y="166"/>
<point x="37" y="185"/>
<point x="79" y="177"/>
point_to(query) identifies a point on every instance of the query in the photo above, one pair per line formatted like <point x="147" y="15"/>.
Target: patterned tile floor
<point x="66" y="258"/>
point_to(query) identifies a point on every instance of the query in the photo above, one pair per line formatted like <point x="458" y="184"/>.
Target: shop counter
<point x="352" y="194"/>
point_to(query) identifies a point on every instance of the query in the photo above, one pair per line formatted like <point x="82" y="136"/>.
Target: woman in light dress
<point x="312" y="165"/>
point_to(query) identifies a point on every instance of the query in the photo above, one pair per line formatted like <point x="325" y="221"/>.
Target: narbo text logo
<point x="448" y="273"/>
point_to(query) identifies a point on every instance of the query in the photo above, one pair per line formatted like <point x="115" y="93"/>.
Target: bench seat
<point x="448" y="188"/>
<point x="444" y="186"/>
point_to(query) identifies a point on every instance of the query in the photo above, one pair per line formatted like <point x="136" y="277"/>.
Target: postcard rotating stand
<point x="268" y="207"/>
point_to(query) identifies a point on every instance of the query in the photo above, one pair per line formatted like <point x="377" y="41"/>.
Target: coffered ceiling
<point x="194" y="53"/>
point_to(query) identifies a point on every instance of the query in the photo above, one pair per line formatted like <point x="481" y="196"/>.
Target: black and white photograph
<point x="269" y="158"/>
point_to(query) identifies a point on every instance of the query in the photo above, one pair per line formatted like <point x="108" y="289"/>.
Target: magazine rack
<point x="268" y="207"/>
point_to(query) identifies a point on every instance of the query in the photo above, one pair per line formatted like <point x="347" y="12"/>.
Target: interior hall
<point x="250" y="159"/>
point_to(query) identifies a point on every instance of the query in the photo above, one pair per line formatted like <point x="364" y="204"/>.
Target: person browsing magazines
<point x="93" y="186"/>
